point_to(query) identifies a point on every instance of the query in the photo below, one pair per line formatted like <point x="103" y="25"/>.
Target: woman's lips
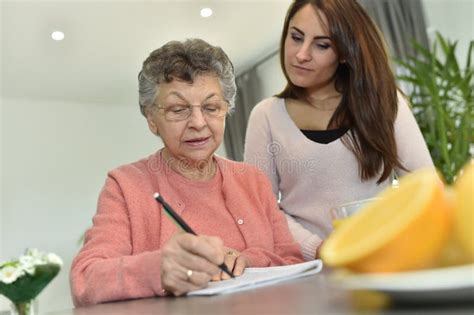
<point x="301" y="68"/>
<point x="197" y="141"/>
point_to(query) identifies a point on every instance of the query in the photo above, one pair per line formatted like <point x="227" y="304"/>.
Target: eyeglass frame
<point x="190" y="106"/>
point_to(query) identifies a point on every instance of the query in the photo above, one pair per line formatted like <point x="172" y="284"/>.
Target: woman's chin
<point x="301" y="82"/>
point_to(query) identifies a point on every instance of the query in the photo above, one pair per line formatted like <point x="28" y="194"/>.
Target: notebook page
<point x="258" y="277"/>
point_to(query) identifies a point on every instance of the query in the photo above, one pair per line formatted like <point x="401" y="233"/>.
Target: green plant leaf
<point x="442" y="98"/>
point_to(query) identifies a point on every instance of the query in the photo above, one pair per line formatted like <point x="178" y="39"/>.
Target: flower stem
<point x="23" y="308"/>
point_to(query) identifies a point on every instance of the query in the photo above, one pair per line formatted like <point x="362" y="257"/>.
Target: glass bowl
<point x="341" y="212"/>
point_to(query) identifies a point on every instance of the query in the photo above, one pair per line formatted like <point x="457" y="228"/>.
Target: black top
<point x="324" y="136"/>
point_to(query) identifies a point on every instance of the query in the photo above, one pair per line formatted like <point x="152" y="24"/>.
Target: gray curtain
<point x="401" y="22"/>
<point x="248" y="95"/>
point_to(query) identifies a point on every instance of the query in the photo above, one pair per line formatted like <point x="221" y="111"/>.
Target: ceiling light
<point x="206" y="12"/>
<point x="57" y="35"/>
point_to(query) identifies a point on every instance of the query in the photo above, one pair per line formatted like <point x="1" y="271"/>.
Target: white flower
<point x="33" y="252"/>
<point x="54" y="259"/>
<point x="9" y="274"/>
<point x="34" y="257"/>
<point x="10" y="271"/>
<point x="27" y="263"/>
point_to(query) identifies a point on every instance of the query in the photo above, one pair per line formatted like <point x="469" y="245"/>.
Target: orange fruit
<point x="452" y="253"/>
<point x="464" y="211"/>
<point x="403" y="230"/>
<point x="337" y="222"/>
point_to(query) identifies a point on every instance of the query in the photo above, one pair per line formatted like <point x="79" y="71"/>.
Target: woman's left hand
<point x="235" y="262"/>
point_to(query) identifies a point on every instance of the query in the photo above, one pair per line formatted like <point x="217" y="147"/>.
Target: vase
<point x="25" y="308"/>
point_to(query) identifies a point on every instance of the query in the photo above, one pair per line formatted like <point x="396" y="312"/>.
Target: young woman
<point x="340" y="128"/>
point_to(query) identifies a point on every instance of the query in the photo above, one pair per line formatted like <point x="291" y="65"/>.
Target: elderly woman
<point x="133" y="250"/>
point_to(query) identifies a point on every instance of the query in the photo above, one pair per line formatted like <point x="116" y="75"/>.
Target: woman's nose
<point x="304" y="53"/>
<point x="197" y="119"/>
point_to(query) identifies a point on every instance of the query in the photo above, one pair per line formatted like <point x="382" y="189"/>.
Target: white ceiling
<point x="106" y="42"/>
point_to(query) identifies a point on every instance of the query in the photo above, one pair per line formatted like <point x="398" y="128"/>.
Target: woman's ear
<point x="152" y="125"/>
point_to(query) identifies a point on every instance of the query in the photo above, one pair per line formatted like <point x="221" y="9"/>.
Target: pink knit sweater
<point x="120" y="258"/>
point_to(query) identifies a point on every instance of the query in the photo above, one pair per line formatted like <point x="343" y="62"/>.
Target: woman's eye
<point x="211" y="108"/>
<point x="177" y="109"/>
<point x="323" y="46"/>
<point x="296" y="38"/>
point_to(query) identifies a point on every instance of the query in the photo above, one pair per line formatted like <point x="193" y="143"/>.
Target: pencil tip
<point x="156" y="195"/>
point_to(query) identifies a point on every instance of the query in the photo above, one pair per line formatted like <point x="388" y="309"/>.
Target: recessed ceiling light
<point x="57" y="35"/>
<point x="206" y="12"/>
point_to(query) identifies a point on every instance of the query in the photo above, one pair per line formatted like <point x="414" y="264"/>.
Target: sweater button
<point x="240" y="221"/>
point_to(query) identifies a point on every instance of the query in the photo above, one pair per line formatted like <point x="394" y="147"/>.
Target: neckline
<point x="209" y="185"/>
<point x="170" y="169"/>
<point x="324" y="136"/>
<point x="295" y="129"/>
<point x="326" y="131"/>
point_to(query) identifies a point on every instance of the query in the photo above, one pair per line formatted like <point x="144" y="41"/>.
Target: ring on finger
<point x="189" y="273"/>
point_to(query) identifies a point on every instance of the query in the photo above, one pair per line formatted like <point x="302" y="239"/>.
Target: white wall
<point x="454" y="20"/>
<point x="272" y="79"/>
<point x="1" y="153"/>
<point x="55" y="156"/>
<point x="2" y="301"/>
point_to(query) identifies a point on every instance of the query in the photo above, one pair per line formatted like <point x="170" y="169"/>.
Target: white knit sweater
<point x="309" y="178"/>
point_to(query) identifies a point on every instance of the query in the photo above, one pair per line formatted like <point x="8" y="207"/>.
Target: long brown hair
<point x="365" y="79"/>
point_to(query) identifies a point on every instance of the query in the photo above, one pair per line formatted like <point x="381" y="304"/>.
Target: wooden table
<point x="311" y="295"/>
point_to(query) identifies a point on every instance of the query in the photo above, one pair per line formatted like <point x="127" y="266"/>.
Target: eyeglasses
<point x="210" y="109"/>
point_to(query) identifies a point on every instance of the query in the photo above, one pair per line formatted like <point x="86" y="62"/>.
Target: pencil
<point x="183" y="225"/>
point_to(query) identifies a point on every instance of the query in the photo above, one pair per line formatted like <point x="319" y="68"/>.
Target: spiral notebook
<point x="259" y="277"/>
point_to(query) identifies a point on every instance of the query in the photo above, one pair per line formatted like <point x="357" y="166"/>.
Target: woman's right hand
<point x="188" y="262"/>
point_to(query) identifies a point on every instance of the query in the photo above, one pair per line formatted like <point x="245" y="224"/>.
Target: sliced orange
<point x="464" y="212"/>
<point x="452" y="253"/>
<point x="404" y="230"/>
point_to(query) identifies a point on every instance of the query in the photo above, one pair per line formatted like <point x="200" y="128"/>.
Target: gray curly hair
<point x="184" y="60"/>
